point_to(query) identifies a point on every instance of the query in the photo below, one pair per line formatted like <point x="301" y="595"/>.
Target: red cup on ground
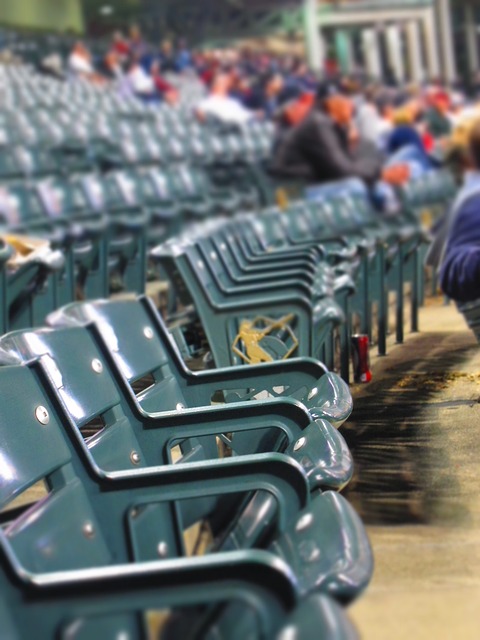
<point x="361" y="358"/>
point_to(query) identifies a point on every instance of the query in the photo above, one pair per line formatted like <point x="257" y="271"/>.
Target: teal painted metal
<point x="256" y="427"/>
<point x="128" y="512"/>
<point x="137" y="336"/>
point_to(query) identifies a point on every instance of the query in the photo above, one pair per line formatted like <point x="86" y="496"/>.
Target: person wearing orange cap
<point x="324" y="146"/>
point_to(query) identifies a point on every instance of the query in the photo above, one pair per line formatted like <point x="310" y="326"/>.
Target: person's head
<point x="135" y="33"/>
<point x="221" y="84"/>
<point x="441" y="102"/>
<point x="166" y="47"/>
<point x="80" y="49"/>
<point x="335" y="104"/>
<point x="340" y="109"/>
<point x="403" y="117"/>
<point x="273" y="85"/>
<point x="117" y="36"/>
<point x="370" y="95"/>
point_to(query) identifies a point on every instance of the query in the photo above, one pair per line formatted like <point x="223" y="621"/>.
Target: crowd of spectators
<point x="245" y="84"/>
<point x="329" y="128"/>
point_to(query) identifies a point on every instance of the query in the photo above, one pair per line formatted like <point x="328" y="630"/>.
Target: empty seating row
<point x="320" y="264"/>
<point x="336" y="254"/>
<point x="127" y="473"/>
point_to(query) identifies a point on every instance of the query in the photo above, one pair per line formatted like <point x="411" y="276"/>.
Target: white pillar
<point x="446" y="32"/>
<point x="415" y="58"/>
<point x="395" y="52"/>
<point x="371" y="53"/>
<point x="313" y="38"/>
<point x="344" y="50"/>
<point x="432" y="44"/>
<point x="471" y="38"/>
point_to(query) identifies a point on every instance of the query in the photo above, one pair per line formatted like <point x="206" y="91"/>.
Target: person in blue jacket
<point x="460" y="263"/>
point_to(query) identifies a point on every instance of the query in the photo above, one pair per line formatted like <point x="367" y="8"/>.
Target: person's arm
<point x="460" y="270"/>
<point x="324" y="150"/>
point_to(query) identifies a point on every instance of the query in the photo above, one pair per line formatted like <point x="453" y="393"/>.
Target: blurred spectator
<point x="53" y="65"/>
<point x="438" y="121"/>
<point x="371" y="123"/>
<point x="219" y="105"/>
<point x="270" y="94"/>
<point x="183" y="58"/>
<point x="113" y="64"/>
<point x="137" y="46"/>
<point x="457" y="243"/>
<point x="80" y="61"/>
<point x="319" y="149"/>
<point x="141" y="83"/>
<point x="405" y="143"/>
<point x="163" y="88"/>
<point x="167" y="57"/>
<point x="120" y="45"/>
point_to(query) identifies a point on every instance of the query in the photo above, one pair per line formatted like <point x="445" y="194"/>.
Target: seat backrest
<point x="51" y="535"/>
<point x="215" y="262"/>
<point x="73" y="197"/>
<point x="161" y="184"/>
<point x="86" y="385"/>
<point x="25" y="200"/>
<point x="131" y="328"/>
<point x="202" y="275"/>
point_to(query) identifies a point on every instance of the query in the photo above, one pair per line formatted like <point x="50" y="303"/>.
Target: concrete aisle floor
<point x="415" y="438"/>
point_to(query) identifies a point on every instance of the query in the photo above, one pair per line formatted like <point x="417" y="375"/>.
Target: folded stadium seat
<point x="403" y="237"/>
<point x="248" y="234"/>
<point x="237" y="174"/>
<point x="95" y="520"/>
<point x="341" y="218"/>
<point x="225" y="199"/>
<point x="277" y="426"/>
<point x="22" y="214"/>
<point x="151" y="189"/>
<point x="388" y="245"/>
<point x="220" y="152"/>
<point x="114" y="194"/>
<point x="134" y="329"/>
<point x="72" y="157"/>
<point x="281" y="237"/>
<point x="305" y="229"/>
<point x="224" y="310"/>
<point x="324" y="284"/>
<point x="106" y="154"/>
<point x="39" y="162"/>
<point x="425" y="200"/>
<point x="200" y="154"/>
<point x="185" y="189"/>
<point x="233" y="489"/>
<point x="67" y="207"/>
<point x="175" y="149"/>
<point x="27" y="281"/>
<point x="11" y="170"/>
<point x="140" y="149"/>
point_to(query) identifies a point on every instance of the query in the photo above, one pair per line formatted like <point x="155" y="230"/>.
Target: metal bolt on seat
<point x="97" y="366"/>
<point x="299" y="444"/>
<point x="135" y="457"/>
<point x="148" y="333"/>
<point x="42" y="415"/>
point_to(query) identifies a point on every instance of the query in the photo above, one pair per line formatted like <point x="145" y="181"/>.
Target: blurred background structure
<point x="414" y="39"/>
<point x="239" y="319"/>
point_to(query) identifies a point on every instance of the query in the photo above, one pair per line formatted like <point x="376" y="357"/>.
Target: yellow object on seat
<point x="259" y="345"/>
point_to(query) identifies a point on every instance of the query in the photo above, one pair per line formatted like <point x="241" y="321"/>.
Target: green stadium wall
<point x="43" y="15"/>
